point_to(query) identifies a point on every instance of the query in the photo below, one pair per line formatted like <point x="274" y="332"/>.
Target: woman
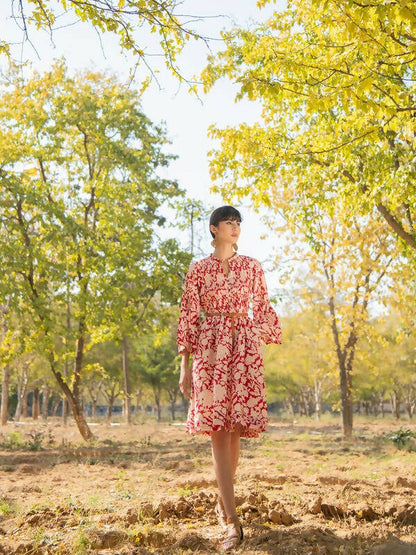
<point x="226" y="385"/>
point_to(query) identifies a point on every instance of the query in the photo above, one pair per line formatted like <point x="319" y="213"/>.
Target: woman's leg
<point x="225" y="453"/>
<point x="223" y="467"/>
<point x="235" y="450"/>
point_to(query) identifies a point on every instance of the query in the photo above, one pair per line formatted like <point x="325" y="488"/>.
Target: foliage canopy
<point x="337" y="84"/>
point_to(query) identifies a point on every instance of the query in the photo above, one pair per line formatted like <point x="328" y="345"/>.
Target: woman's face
<point x="227" y="231"/>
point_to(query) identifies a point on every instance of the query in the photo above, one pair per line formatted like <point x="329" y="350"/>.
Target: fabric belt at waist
<point x="227" y="314"/>
<point x="232" y="315"/>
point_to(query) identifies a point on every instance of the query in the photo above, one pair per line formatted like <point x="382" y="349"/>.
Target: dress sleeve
<point x="189" y="321"/>
<point x="265" y="318"/>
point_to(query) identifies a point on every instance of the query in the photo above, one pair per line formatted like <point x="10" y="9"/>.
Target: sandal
<point x="235" y="534"/>
<point x="220" y="512"/>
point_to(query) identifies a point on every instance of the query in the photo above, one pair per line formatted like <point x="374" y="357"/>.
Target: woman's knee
<point x="220" y="438"/>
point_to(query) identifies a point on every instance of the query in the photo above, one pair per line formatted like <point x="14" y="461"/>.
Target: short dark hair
<point x="222" y="214"/>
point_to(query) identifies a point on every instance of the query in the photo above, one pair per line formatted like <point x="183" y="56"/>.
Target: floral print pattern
<point x="227" y="371"/>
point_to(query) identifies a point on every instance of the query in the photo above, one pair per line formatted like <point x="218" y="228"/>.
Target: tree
<point x="79" y="209"/>
<point x="354" y="259"/>
<point x="157" y="362"/>
<point x="306" y="381"/>
<point x="140" y="297"/>
<point x="129" y="20"/>
<point x="194" y="214"/>
<point x="93" y="378"/>
<point x="22" y="379"/>
<point x="5" y="346"/>
<point x="105" y="361"/>
<point x="336" y="81"/>
<point x="387" y="366"/>
<point x="347" y="259"/>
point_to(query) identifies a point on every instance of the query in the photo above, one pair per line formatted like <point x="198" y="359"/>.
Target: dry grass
<point x="150" y="489"/>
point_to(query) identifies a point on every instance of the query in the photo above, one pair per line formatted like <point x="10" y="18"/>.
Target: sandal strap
<point x="234" y="536"/>
<point x="220" y="512"/>
<point x="234" y="532"/>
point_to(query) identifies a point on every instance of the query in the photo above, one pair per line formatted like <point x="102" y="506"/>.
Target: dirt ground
<point x="150" y="488"/>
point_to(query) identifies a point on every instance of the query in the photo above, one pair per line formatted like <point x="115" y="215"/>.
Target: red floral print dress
<point x="227" y="371"/>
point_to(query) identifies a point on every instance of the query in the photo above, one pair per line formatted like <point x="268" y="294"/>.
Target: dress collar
<point x="231" y="259"/>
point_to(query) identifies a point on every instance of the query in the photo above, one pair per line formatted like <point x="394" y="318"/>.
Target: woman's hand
<point x="185" y="377"/>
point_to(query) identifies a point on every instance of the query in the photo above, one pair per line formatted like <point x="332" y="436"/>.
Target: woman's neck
<point x="224" y="252"/>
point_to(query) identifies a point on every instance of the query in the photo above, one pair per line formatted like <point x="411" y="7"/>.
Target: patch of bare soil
<point x="150" y="488"/>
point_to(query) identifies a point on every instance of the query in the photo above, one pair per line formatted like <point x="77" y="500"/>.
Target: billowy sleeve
<point x="265" y="318"/>
<point x="189" y="320"/>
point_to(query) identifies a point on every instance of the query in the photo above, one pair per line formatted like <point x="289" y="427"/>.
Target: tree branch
<point x="394" y="223"/>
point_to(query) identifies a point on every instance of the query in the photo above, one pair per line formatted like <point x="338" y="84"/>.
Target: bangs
<point x="224" y="213"/>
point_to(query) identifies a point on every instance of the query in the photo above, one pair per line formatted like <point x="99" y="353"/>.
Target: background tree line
<point x="82" y="203"/>
<point x="90" y="291"/>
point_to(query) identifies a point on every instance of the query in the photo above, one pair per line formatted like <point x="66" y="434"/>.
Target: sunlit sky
<point x="187" y="118"/>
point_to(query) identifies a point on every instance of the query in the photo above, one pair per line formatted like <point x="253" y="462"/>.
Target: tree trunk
<point x="25" y="403"/>
<point x="396" y="403"/>
<point x="302" y="404"/>
<point x="185" y="403"/>
<point x="397" y="406"/>
<point x="18" y="410"/>
<point x="345" y="353"/>
<point x="79" y="418"/>
<point x="173" y="396"/>
<point x="65" y="411"/>
<point x="410" y="400"/>
<point x="290" y="404"/>
<point x="111" y="395"/>
<point x="73" y="397"/>
<point x="21" y="391"/>
<point x="318" y="401"/>
<point x="65" y="404"/>
<point x="173" y="405"/>
<point x="346" y="400"/>
<point x="157" y="395"/>
<point x="55" y="407"/>
<point x="345" y="361"/>
<point x="127" y="393"/>
<point x="139" y="395"/>
<point x="5" y="395"/>
<point x="396" y="225"/>
<point x="344" y="377"/>
<point x="45" y="402"/>
<point x="35" y="404"/>
<point x="110" y="409"/>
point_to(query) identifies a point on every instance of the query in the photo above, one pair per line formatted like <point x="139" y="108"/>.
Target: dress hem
<point x="246" y="431"/>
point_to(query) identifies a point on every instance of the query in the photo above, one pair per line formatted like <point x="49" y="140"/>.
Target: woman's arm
<point x="189" y="323"/>
<point x="185" y="377"/>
